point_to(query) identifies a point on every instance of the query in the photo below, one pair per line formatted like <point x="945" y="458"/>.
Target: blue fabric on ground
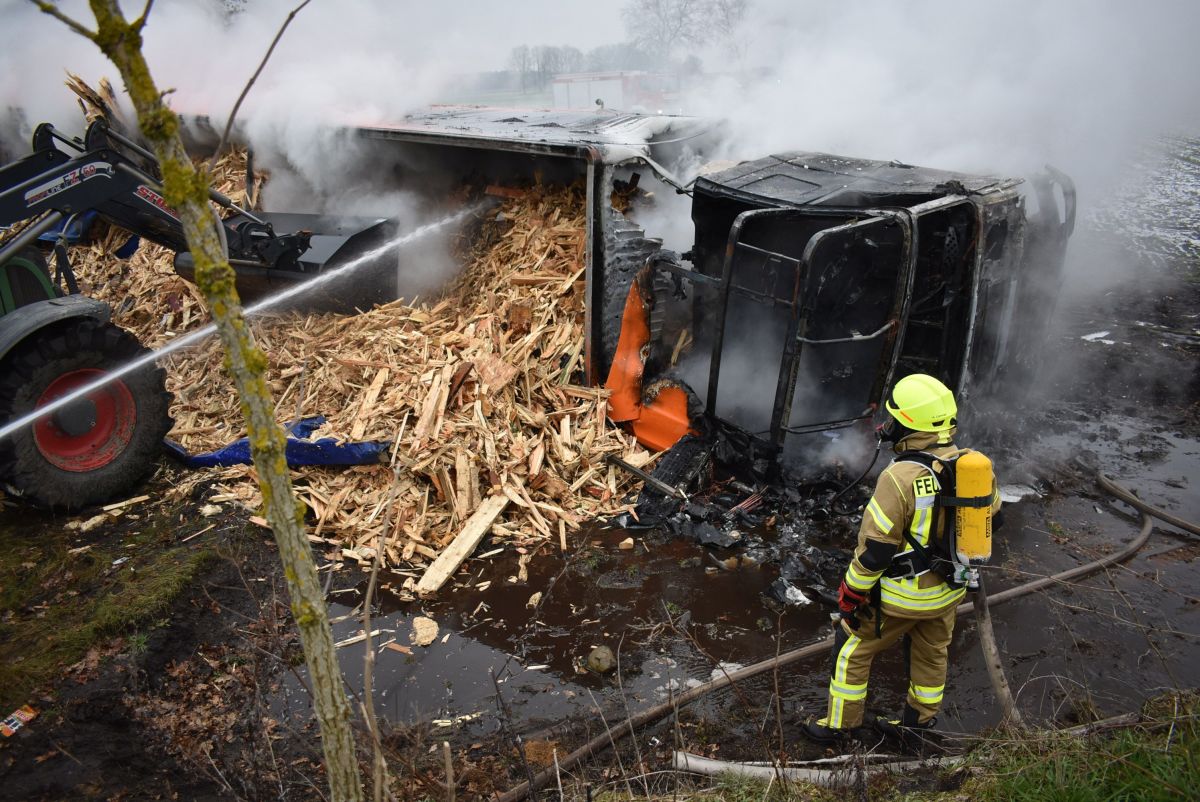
<point x="81" y="225"/>
<point x="299" y="451"/>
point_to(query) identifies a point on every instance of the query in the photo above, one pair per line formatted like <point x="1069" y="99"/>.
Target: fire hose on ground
<point x="818" y="775"/>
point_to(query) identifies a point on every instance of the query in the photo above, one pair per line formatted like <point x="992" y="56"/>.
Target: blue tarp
<point x="300" y="450"/>
<point x="81" y="224"/>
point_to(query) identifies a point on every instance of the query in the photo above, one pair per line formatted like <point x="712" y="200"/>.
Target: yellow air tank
<point x="974" y="480"/>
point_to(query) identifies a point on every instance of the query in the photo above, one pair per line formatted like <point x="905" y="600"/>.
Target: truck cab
<point x="815" y="281"/>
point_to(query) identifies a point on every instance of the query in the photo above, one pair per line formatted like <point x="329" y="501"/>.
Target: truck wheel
<point x="97" y="447"/>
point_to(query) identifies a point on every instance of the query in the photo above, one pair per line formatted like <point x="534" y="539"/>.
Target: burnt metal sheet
<point x="561" y="131"/>
<point x="808" y="178"/>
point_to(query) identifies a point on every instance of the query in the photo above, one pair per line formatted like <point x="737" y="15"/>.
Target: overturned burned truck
<point x="813" y="280"/>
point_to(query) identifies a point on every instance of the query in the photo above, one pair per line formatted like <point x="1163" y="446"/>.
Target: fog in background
<point x="1000" y="88"/>
<point x="994" y="88"/>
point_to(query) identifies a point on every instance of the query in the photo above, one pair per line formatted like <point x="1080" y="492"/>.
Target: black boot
<point x="819" y="732"/>
<point x="912" y="733"/>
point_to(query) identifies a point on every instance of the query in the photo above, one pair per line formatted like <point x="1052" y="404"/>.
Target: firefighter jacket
<point x="904" y="500"/>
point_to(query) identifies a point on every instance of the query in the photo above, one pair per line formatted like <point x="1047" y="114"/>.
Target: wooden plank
<point x="498" y="191"/>
<point x="359" y="426"/>
<point x="460" y="548"/>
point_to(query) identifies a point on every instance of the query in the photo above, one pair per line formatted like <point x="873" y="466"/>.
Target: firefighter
<point x="888" y="592"/>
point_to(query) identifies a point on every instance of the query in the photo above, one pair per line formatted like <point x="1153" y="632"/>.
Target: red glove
<point x="850" y="599"/>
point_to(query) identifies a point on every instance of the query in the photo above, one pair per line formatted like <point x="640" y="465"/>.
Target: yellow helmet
<point x="922" y="403"/>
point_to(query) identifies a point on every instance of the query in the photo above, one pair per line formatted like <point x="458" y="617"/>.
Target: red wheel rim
<point x="116" y="414"/>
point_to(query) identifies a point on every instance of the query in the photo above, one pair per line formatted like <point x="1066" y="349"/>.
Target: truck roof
<point x="822" y="179"/>
<point x="557" y="131"/>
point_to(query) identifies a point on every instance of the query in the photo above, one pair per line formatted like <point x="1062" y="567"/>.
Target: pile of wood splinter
<point x="475" y="392"/>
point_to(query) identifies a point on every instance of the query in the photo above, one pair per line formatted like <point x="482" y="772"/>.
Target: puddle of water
<point x="593" y="597"/>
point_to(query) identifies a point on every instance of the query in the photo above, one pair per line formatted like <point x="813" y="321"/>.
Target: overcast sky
<point x="997" y="86"/>
<point x="374" y="56"/>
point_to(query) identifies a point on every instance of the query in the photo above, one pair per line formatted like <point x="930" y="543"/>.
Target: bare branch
<point x="49" y="8"/>
<point x="246" y="90"/>
<point x="140" y="22"/>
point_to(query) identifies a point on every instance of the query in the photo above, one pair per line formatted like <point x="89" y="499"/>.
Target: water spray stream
<point x="266" y="303"/>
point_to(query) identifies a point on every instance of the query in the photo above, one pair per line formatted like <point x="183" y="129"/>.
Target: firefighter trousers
<point x="926" y="643"/>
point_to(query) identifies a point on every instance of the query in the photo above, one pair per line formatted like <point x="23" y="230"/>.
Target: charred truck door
<point x="810" y="300"/>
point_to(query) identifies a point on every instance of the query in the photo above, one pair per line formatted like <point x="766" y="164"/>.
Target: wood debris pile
<point x="475" y="391"/>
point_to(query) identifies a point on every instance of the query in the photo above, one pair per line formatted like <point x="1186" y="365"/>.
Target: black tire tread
<point x="24" y="374"/>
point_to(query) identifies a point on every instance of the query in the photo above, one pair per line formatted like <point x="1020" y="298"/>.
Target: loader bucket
<point x="335" y="243"/>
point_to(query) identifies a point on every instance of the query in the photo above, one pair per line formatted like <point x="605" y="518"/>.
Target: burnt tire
<point x="681" y="467"/>
<point x="95" y="448"/>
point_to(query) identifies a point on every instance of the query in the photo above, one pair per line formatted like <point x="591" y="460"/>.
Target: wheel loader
<point x="54" y="341"/>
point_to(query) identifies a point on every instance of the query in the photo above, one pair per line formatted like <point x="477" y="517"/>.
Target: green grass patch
<point x="1156" y="760"/>
<point x="61" y="595"/>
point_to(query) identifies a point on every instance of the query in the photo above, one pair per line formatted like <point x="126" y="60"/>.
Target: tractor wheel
<point x="97" y="447"/>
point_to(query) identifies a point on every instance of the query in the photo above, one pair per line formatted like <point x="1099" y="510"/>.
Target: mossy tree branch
<point x="186" y="190"/>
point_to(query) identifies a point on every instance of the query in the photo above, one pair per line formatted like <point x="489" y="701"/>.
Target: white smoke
<point x="349" y="61"/>
<point x="1003" y="86"/>
<point x="999" y="88"/>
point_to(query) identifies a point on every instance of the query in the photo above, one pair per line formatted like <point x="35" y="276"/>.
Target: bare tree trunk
<point x="186" y="190"/>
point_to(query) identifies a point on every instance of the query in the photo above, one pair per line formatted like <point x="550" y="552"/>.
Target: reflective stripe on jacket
<point x="904" y="497"/>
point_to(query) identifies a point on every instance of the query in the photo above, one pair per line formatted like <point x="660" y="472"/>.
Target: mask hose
<point x="833" y="507"/>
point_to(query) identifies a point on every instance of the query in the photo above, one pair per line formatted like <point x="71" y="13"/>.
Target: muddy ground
<point x="203" y="696"/>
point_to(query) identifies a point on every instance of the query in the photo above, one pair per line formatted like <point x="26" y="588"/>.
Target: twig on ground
<point x="448" y="759"/>
<point x="613" y="742"/>
<point x="508" y="728"/>
<point x="778" y="694"/>
<point x="57" y="746"/>
<point x="637" y="752"/>
<point x="378" y="763"/>
<point x="558" y="775"/>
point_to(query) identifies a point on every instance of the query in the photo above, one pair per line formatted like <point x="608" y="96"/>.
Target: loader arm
<point x="116" y="177"/>
<point x="107" y="172"/>
<point x="100" y="179"/>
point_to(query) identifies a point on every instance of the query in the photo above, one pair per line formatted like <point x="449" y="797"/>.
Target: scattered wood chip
<point x="424" y="631"/>
<point x="480" y="369"/>
<point x="362" y="636"/>
<point x="92" y="523"/>
<point x="129" y="502"/>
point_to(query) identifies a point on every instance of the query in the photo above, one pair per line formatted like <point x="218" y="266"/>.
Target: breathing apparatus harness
<point x="964" y="540"/>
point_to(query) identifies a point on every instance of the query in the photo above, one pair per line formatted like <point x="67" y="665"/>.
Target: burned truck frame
<point x="815" y="281"/>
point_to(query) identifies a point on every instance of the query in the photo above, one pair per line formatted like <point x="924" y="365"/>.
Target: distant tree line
<point x="661" y="35"/>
